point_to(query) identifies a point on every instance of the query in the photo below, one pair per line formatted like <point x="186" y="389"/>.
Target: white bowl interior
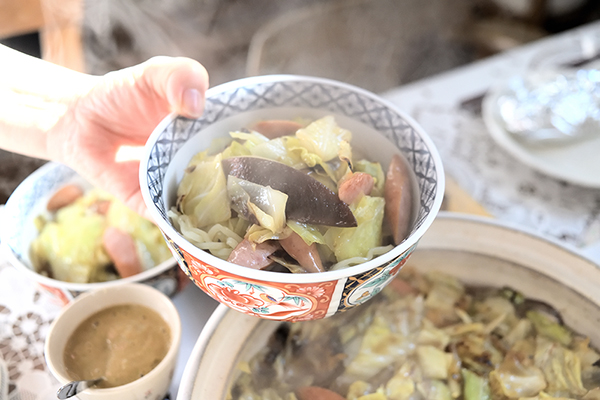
<point x="478" y="251"/>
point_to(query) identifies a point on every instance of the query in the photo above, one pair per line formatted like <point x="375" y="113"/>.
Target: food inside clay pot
<point x="293" y="196"/>
<point x="426" y="336"/>
<point x="89" y="236"/>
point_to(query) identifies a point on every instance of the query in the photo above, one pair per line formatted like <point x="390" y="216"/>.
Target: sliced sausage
<point x="402" y="287"/>
<point x="355" y="186"/>
<point x="256" y="256"/>
<point x="101" y="206"/>
<point x="275" y="128"/>
<point x="307" y="256"/>
<point x="317" y="393"/>
<point x="63" y="197"/>
<point x="398" y="198"/>
<point x="121" y="249"/>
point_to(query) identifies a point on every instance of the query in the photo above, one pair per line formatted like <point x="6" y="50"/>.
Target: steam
<point x="375" y="44"/>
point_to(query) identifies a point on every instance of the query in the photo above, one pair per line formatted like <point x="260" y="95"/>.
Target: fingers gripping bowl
<point x="379" y="132"/>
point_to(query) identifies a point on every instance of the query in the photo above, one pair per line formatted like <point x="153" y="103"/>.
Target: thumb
<point x="180" y="80"/>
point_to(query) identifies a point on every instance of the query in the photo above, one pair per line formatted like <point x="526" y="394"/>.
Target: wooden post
<point x="60" y="37"/>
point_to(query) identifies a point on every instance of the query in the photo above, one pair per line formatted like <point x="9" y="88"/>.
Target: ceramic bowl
<point x="477" y="250"/>
<point x="153" y="385"/>
<point x="378" y="129"/>
<point x="18" y="230"/>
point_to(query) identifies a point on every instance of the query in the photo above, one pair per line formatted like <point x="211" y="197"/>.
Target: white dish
<point x="479" y="251"/>
<point x="576" y="162"/>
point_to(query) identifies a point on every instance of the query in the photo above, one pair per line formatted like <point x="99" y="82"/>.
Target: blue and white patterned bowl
<point x="379" y="131"/>
<point x="18" y="231"/>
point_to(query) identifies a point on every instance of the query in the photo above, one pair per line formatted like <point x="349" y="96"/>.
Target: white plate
<point x="479" y="251"/>
<point x="577" y="163"/>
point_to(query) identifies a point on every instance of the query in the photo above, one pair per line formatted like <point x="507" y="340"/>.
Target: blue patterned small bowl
<point x="379" y="131"/>
<point x="18" y="231"/>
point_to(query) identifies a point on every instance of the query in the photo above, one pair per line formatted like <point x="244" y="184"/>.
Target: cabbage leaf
<point x="379" y="348"/>
<point x="517" y="377"/>
<point x="561" y="367"/>
<point x="277" y="150"/>
<point x="475" y="387"/>
<point x="374" y="169"/>
<point x="260" y="204"/>
<point x="72" y="245"/>
<point x="356" y="242"/>
<point x="309" y="233"/>
<point x="545" y="326"/>
<point x="323" y="137"/>
<point x="434" y="390"/>
<point x="202" y="193"/>
<point x="434" y="362"/>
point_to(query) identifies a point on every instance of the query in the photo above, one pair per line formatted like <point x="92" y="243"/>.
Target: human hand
<point x="121" y="109"/>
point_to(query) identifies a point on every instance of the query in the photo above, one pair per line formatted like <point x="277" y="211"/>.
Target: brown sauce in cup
<point x="121" y="343"/>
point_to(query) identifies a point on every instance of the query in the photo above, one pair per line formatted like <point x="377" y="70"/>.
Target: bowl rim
<point x="157" y="296"/>
<point x="14" y="260"/>
<point x="270" y="276"/>
<point x="187" y="385"/>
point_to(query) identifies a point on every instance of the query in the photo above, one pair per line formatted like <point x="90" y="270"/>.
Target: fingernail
<point x="192" y="103"/>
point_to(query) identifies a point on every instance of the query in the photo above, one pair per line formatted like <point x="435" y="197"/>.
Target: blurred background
<point x="375" y="44"/>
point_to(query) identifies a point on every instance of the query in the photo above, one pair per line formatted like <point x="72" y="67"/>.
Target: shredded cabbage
<point x="357" y="242"/>
<point x="309" y="233"/>
<point x="323" y="138"/>
<point x="266" y="205"/>
<point x="202" y="193"/>
<point x="72" y="245"/>
<point x="374" y="169"/>
<point x="390" y="349"/>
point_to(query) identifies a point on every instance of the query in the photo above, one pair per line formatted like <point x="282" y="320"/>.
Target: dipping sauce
<point x="121" y="343"/>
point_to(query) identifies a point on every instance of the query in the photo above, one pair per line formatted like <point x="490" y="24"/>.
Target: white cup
<point x="153" y="385"/>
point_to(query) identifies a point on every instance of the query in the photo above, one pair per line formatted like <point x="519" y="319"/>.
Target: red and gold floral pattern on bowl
<point x="287" y="301"/>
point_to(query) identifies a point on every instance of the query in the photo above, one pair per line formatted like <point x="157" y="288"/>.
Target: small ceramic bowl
<point x="378" y="129"/>
<point x="153" y="385"/>
<point x="18" y="230"/>
<point x="479" y="251"/>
